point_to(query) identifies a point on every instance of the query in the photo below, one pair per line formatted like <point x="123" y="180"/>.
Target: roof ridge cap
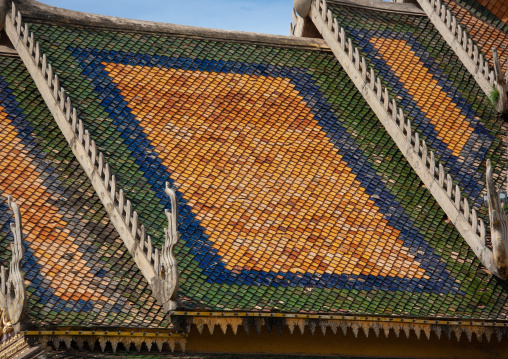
<point x="383" y="6"/>
<point x="36" y="11"/>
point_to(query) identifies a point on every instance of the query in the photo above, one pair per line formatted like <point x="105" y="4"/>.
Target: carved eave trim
<point x="369" y="325"/>
<point x="154" y="339"/>
<point x="153" y="266"/>
<point x="498" y="225"/>
<point x="16" y="346"/>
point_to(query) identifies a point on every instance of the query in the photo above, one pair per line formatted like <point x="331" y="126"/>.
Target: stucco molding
<point x="159" y="269"/>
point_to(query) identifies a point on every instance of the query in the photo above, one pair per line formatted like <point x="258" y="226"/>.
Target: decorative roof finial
<point x="498" y="226"/>
<point x="12" y="287"/>
<point x="168" y="272"/>
<point x="500" y="91"/>
<point x="302" y="7"/>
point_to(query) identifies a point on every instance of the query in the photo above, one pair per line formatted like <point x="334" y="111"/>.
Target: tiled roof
<point x="76" y="267"/>
<point x="447" y="107"/>
<point x="293" y="197"/>
<point x="486" y="21"/>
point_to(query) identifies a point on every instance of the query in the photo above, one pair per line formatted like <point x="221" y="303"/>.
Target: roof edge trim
<point x="185" y="320"/>
<point x="383" y="6"/>
<point x="35" y="11"/>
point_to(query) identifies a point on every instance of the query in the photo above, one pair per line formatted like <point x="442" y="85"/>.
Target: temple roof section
<point x="293" y="196"/>
<point x="476" y="31"/>
<point x="486" y="21"/>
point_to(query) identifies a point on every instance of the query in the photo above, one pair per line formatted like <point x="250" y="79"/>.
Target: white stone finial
<point x="500" y="91"/>
<point x="302" y="7"/>
<point x="167" y="268"/>
<point x="12" y="287"/>
<point x="498" y="226"/>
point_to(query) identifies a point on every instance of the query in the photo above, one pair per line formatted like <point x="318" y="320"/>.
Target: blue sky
<point x="267" y="16"/>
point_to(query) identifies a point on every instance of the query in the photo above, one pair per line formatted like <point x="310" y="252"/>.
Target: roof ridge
<point x="392" y="117"/>
<point x="383" y="6"/>
<point x="159" y="269"/>
<point x="36" y="11"/>
<point x="467" y="51"/>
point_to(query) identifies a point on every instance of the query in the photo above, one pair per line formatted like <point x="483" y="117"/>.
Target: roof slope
<point x="447" y="107"/>
<point x="292" y="196"/>
<point x="486" y="21"/>
<point x="77" y="269"/>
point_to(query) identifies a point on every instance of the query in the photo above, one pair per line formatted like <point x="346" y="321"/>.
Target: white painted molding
<point x="400" y="129"/>
<point x="470" y="55"/>
<point x="124" y="218"/>
<point x="13" y="299"/>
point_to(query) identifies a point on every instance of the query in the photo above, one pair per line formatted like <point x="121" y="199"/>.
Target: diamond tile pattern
<point x="486" y="21"/>
<point x="292" y="195"/>
<point x="447" y="107"/>
<point x="76" y="267"/>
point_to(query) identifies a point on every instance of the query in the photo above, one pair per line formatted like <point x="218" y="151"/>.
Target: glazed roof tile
<point x="486" y="21"/>
<point x="76" y="266"/>
<point x="292" y="195"/>
<point x="445" y="104"/>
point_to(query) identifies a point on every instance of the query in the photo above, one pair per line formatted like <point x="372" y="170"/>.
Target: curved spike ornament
<point x="12" y="286"/>
<point x="500" y="83"/>
<point x="167" y="268"/>
<point x="439" y="183"/>
<point x="498" y="226"/>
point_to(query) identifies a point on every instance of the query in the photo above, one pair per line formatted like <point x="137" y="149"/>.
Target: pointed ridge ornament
<point x="498" y="226"/>
<point x="399" y="127"/>
<point x="13" y="299"/>
<point x="167" y="268"/>
<point x="500" y="91"/>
